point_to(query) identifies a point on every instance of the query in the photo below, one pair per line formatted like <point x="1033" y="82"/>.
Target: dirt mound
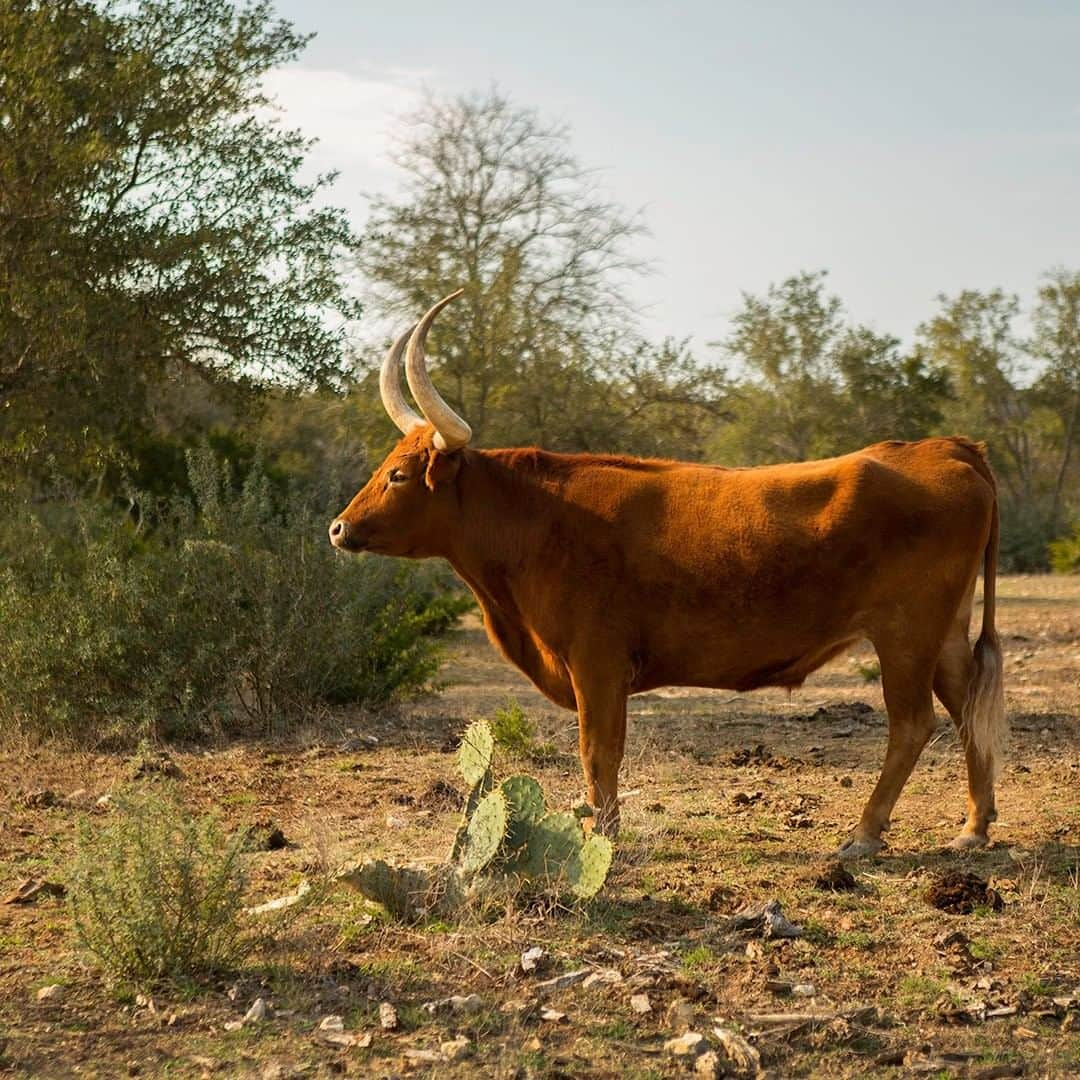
<point x="835" y="878"/>
<point x="440" y="795"/>
<point x="841" y="712"/>
<point x="960" y="894"/>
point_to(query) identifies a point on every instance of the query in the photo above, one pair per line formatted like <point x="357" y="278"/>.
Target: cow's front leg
<point x="601" y="702"/>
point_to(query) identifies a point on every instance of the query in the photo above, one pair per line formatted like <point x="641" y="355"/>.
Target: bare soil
<point x="731" y="801"/>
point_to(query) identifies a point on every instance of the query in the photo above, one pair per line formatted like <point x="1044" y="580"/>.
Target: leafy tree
<point x="153" y="222"/>
<point x="542" y="346"/>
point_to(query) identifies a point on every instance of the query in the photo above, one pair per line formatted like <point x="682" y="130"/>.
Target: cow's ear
<point x="441" y="468"/>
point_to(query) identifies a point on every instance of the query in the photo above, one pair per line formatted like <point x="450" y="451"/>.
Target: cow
<point x="602" y="576"/>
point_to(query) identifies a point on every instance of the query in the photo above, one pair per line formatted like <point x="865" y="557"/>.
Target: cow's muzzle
<point x="344" y="536"/>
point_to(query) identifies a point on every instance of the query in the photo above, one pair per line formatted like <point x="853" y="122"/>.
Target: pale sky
<point x="909" y="148"/>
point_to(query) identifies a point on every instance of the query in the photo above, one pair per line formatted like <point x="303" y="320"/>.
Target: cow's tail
<point x="984" y="710"/>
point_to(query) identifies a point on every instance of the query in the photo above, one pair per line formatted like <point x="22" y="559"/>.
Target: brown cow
<point x="601" y="576"/>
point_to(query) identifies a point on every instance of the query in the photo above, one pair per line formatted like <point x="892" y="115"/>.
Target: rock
<point x="708" y="1065"/>
<point x="641" y="1004"/>
<point x="768" y="919"/>
<point x="690" y="1045"/>
<point x="531" y="958"/>
<point x="103" y="803"/>
<point x="456" y="1049"/>
<point x="552" y="1016"/>
<point x="31" y="889"/>
<point x="603" y="977"/>
<point x="257" y="1012"/>
<point x="561" y="982"/>
<point x="281" y="902"/>
<point x="458" y="1003"/>
<point x="803" y="989"/>
<point x="680" y="1015"/>
<point x="52" y="992"/>
<point x="332" y="1030"/>
<point x="388" y="1017"/>
<point x="738" y="1051"/>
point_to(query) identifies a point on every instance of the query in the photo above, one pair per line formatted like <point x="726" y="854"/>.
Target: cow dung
<point x="960" y="894"/>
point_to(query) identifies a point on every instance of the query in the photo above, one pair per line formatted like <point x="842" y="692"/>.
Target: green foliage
<point x="229" y="611"/>
<point x="1065" y="553"/>
<point x="157" y="894"/>
<point x="155" y="220"/>
<point x="512" y="729"/>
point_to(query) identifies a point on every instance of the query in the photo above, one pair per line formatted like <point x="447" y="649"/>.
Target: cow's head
<point x="409" y="507"/>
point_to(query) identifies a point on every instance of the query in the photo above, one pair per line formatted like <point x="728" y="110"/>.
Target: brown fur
<point x="603" y="576"/>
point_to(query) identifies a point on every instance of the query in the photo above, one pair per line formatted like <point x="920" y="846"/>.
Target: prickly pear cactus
<point x="525" y="800"/>
<point x="553" y="842"/>
<point x="475" y="753"/>
<point x="402" y="890"/>
<point x="484" y="833"/>
<point x="587" y="871"/>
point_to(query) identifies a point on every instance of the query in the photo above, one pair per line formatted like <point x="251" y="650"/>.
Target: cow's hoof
<point x="968" y="841"/>
<point x="858" y="847"/>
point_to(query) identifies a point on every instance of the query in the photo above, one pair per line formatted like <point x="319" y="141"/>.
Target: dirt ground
<point x="730" y="801"/>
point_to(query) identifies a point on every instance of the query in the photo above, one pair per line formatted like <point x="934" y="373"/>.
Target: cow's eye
<point x="396" y="477"/>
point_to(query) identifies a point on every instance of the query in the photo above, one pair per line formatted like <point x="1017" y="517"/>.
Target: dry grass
<point x="691" y="854"/>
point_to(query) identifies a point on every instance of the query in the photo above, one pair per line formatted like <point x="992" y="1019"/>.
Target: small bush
<point x="222" y="610"/>
<point x="157" y="894"/>
<point x="1065" y="553"/>
<point x="512" y="729"/>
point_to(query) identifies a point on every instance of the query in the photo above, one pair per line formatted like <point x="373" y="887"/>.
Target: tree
<point x="1055" y="343"/>
<point x="542" y="347"/>
<point x="973" y="336"/>
<point x="153" y="222"/>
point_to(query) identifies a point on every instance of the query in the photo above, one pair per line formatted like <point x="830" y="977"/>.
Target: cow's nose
<point x="339" y="532"/>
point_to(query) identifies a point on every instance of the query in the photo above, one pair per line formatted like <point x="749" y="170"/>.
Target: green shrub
<point x="1065" y="553"/>
<point x="512" y="729"/>
<point x="157" y="894"/>
<point x="227" y="610"/>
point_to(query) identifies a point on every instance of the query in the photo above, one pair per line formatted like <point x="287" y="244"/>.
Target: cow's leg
<point x="955" y="670"/>
<point x="910" y="704"/>
<point x="601" y="700"/>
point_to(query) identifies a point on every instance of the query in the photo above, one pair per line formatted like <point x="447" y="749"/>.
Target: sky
<point x="910" y="149"/>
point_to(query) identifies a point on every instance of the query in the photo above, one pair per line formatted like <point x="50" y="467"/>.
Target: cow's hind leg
<point x="906" y="680"/>
<point x="601" y="700"/>
<point x="952" y="680"/>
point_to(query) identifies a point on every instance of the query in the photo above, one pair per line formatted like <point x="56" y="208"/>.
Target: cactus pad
<point x="553" y="842"/>
<point x="476" y="751"/>
<point x="588" y="870"/>
<point x="484" y="833"/>
<point x="525" y="800"/>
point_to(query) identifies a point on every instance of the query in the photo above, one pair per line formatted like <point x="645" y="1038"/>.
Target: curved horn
<point x="401" y="412"/>
<point x="451" y="432"/>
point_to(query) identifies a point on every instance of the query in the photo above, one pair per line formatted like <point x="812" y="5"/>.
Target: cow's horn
<point x="451" y="432"/>
<point x="401" y="412"/>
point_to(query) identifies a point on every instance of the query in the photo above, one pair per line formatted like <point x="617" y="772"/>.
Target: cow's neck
<point x="511" y="505"/>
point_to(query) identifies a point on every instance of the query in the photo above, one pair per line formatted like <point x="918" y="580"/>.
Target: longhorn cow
<point x="603" y="576"/>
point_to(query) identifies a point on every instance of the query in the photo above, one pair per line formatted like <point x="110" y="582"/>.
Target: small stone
<point x="552" y="1016"/>
<point x="332" y="1030"/>
<point x="388" y="1017"/>
<point x="641" y="1004"/>
<point x="680" y="1015"/>
<point x="708" y="1064"/>
<point x="466" y="1003"/>
<point x="603" y="977"/>
<point x="257" y="1012"/>
<point x="691" y="1045"/>
<point x="30" y="889"/>
<point x="52" y="992"/>
<point x="530" y="959"/>
<point x="103" y="803"/>
<point x="233" y="1025"/>
<point x="561" y="982"/>
<point x="803" y="989"/>
<point x="456" y="1049"/>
